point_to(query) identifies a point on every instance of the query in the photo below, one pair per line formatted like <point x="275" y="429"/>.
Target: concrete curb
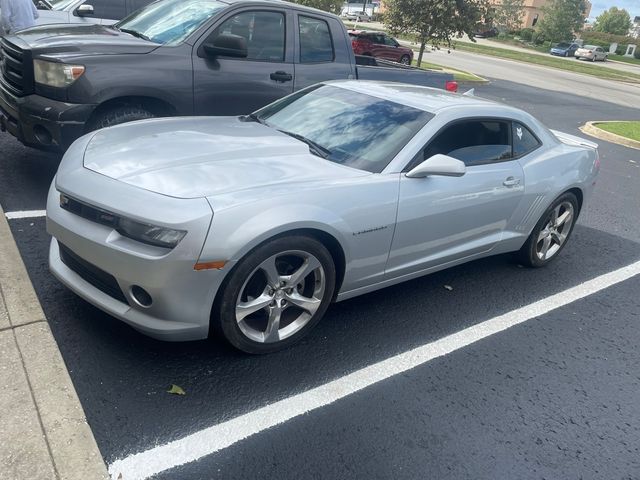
<point x="590" y="128"/>
<point x="47" y="436"/>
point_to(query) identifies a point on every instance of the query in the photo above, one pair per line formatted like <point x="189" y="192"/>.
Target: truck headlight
<point x="150" y="234"/>
<point x="56" y="74"/>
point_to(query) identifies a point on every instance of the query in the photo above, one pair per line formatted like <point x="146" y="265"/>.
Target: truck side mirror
<point x="84" y="10"/>
<point x="226" y="45"/>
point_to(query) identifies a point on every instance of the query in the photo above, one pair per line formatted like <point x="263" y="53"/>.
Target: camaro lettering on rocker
<point x="371" y="230"/>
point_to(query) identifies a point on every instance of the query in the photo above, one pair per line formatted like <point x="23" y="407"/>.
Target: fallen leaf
<point x="176" y="390"/>
<point x="448" y="287"/>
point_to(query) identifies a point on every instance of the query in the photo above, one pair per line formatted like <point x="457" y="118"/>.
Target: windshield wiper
<point x="316" y="149"/>
<point x="134" y="33"/>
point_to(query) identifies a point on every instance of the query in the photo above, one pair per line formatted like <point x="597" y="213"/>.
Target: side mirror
<point x="226" y="45"/>
<point x="84" y="10"/>
<point x="438" y="165"/>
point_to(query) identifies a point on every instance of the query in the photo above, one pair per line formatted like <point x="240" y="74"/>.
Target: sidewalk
<point x="44" y="434"/>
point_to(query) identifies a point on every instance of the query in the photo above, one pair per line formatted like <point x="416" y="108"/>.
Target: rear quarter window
<point x="524" y="141"/>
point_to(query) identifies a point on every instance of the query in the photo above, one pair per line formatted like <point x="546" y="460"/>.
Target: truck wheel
<point x="405" y="60"/>
<point x="118" y="115"/>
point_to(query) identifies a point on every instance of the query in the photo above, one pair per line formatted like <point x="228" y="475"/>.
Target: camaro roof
<point x="425" y="98"/>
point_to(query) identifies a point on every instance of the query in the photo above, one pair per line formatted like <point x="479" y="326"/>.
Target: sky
<point x="599" y="6"/>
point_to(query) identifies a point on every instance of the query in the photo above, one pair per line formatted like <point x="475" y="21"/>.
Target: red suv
<point x="379" y="45"/>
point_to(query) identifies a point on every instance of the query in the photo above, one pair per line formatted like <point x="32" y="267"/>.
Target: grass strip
<point x="629" y="130"/>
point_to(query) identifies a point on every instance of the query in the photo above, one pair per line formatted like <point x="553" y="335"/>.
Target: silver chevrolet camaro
<point x="250" y="226"/>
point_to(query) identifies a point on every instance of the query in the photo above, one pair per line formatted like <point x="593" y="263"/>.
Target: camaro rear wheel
<point x="551" y="233"/>
<point x="276" y="294"/>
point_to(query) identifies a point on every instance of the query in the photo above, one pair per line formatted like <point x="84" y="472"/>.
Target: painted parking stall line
<point x="25" y="214"/>
<point x="145" y="464"/>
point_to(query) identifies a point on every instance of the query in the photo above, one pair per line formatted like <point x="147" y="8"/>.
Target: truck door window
<point x="263" y="31"/>
<point x="316" y="44"/>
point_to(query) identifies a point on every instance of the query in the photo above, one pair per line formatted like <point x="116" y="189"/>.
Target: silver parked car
<point x="104" y="12"/>
<point x="250" y="226"/>
<point x="591" y="52"/>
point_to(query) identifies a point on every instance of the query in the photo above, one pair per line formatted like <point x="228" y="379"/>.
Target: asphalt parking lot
<point x="557" y="396"/>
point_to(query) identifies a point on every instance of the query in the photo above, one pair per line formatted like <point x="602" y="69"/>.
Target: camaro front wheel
<point x="276" y="294"/>
<point x="551" y="233"/>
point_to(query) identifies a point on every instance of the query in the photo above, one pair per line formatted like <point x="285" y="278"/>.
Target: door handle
<point x="281" y="76"/>
<point x="511" y="182"/>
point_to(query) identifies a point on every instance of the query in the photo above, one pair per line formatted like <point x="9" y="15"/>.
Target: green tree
<point x="435" y="21"/>
<point x="333" y="6"/>
<point x="562" y="18"/>
<point x="508" y="14"/>
<point x="614" y="20"/>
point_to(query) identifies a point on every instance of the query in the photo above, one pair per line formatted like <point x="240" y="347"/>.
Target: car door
<point x="391" y="49"/>
<point x="106" y="12"/>
<point x="444" y="219"/>
<point x="234" y="86"/>
<point x="135" y="5"/>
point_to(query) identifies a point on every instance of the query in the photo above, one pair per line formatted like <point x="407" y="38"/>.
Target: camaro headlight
<point x="150" y="234"/>
<point x="56" y="74"/>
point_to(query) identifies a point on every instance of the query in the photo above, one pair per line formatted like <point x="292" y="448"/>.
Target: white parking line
<point x="213" y="439"/>
<point x="26" y="214"/>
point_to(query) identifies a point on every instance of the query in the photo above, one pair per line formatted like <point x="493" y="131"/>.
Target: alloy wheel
<point x="555" y="232"/>
<point x="280" y="296"/>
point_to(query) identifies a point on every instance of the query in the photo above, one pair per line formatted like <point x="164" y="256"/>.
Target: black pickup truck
<point x="175" y="57"/>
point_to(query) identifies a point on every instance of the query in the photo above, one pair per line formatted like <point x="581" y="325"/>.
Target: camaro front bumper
<point x="104" y="267"/>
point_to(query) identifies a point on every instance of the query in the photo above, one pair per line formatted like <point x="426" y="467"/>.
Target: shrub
<point x="526" y="34"/>
<point x="636" y="54"/>
<point x="537" y="38"/>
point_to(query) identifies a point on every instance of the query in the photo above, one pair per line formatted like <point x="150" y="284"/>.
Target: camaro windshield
<point x="346" y="127"/>
<point x="170" y="21"/>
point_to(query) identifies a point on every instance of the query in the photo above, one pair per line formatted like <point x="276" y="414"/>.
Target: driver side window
<point x="475" y="142"/>
<point x="263" y="31"/>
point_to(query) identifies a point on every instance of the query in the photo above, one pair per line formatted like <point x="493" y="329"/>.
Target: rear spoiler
<point x="569" y="139"/>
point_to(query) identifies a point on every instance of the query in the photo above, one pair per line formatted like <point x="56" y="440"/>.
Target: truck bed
<point x="370" y="68"/>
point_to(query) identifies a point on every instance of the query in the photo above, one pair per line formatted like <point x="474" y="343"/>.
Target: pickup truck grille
<point x="15" y="69"/>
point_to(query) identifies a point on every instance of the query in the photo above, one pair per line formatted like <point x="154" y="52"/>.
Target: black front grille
<point x="92" y="274"/>
<point x="88" y="212"/>
<point x="15" y="68"/>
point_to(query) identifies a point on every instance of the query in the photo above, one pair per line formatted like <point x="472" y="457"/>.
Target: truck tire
<point x="118" y="115"/>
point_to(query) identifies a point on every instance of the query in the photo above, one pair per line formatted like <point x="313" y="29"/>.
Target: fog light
<point x="42" y="135"/>
<point x="141" y="296"/>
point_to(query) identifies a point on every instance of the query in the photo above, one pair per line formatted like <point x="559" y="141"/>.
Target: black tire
<point x="119" y="115"/>
<point x="527" y="254"/>
<point x="224" y="313"/>
<point x="405" y="60"/>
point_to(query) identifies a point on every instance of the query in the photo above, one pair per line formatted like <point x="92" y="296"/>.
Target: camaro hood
<point x="205" y="156"/>
<point x="82" y="39"/>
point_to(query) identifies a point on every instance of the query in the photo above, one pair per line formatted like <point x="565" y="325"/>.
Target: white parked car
<point x="591" y="52"/>
<point x="357" y="16"/>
